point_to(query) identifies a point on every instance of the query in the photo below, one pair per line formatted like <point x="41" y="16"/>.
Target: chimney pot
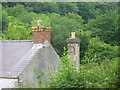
<point x="72" y="34"/>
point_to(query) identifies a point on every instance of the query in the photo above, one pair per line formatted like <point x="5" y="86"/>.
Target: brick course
<point x="40" y="34"/>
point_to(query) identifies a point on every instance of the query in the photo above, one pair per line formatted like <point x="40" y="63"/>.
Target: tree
<point x="16" y="10"/>
<point x="42" y="7"/>
<point x="86" y="10"/>
<point x="16" y="31"/>
<point x="85" y="38"/>
<point x="5" y="20"/>
<point x="104" y="26"/>
<point x="98" y="51"/>
<point x="105" y="7"/>
<point x="62" y="26"/>
<point x="66" y="8"/>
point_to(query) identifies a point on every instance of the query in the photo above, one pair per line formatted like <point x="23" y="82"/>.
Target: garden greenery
<point x="90" y="75"/>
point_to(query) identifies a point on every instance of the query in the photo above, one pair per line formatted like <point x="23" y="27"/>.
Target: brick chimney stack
<point x="74" y="50"/>
<point x="41" y="33"/>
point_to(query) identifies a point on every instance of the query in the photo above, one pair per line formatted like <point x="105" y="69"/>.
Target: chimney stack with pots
<point x="41" y="33"/>
<point x="74" y="50"/>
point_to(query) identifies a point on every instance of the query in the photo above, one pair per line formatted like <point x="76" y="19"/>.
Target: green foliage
<point x="99" y="51"/>
<point x="75" y="16"/>
<point x="45" y="19"/>
<point x="61" y="29"/>
<point x="9" y="4"/>
<point x="42" y="7"/>
<point x="47" y="7"/>
<point x="66" y="8"/>
<point x="103" y="7"/>
<point x="63" y="77"/>
<point x="16" y="11"/>
<point x="85" y="38"/>
<point x="86" y="10"/>
<point x="104" y="26"/>
<point x="104" y="75"/>
<point x="16" y="31"/>
<point x="118" y="31"/>
<point x="27" y="18"/>
<point x="5" y="20"/>
<point x="90" y="75"/>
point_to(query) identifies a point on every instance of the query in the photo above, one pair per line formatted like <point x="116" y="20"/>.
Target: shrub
<point x="16" y="31"/>
<point x="99" y="51"/>
<point x="91" y="75"/>
<point x="85" y="40"/>
<point x="101" y="76"/>
<point x="64" y="77"/>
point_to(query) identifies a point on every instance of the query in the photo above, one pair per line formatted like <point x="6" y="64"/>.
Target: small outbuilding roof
<point x="11" y="51"/>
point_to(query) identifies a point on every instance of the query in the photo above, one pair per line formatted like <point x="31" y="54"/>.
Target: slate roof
<point x="11" y="51"/>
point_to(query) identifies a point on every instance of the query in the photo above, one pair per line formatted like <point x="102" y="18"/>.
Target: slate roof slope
<point x="11" y="51"/>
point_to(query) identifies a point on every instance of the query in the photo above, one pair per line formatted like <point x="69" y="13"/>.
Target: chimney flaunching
<point x="41" y="33"/>
<point x="74" y="50"/>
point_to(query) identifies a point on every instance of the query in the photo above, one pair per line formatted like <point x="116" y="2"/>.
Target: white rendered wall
<point x="8" y="83"/>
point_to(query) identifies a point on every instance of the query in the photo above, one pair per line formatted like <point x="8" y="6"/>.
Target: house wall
<point x="8" y="83"/>
<point x="41" y="60"/>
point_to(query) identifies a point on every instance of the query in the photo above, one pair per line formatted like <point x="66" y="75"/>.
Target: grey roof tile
<point x="11" y="51"/>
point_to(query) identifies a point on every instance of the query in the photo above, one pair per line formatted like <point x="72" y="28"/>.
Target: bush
<point x="91" y="75"/>
<point x="85" y="40"/>
<point x="99" y="51"/>
<point x="64" y="77"/>
<point x="17" y="31"/>
<point x="104" y="75"/>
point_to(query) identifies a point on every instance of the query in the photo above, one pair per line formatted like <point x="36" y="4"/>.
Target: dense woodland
<point x="96" y="24"/>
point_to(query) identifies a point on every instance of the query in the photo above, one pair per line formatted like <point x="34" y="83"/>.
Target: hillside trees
<point x="86" y="10"/>
<point x="5" y="20"/>
<point x="61" y="29"/>
<point x="16" y="31"/>
<point x="45" y="7"/>
<point x="66" y="8"/>
<point x="16" y="11"/>
<point x="100" y="20"/>
<point x="85" y="37"/>
<point x="98" y="51"/>
<point x="104" y="26"/>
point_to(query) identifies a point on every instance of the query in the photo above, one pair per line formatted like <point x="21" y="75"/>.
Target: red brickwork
<point x="40" y="34"/>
